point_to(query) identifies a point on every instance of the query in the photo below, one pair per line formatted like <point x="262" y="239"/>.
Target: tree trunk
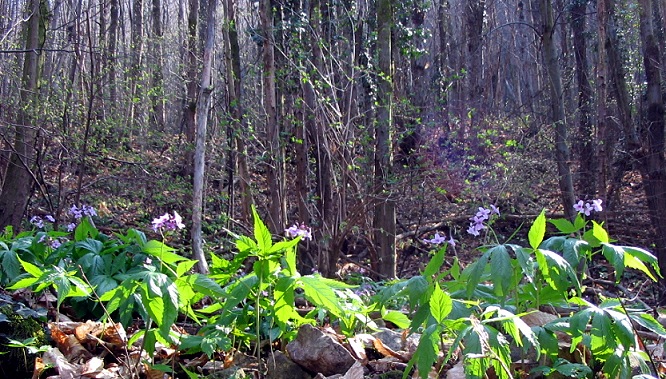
<point x="384" y="223"/>
<point x="562" y="155"/>
<point x="275" y="161"/>
<point x="157" y="79"/>
<point x="203" y="105"/>
<point x="653" y="162"/>
<point x="190" y="101"/>
<point x="237" y="159"/>
<point x="136" y="72"/>
<point x="19" y="178"/>
<point x="587" y="137"/>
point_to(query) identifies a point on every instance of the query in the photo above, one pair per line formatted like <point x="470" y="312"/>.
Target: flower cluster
<point x="480" y="218"/>
<point x="299" y="230"/>
<point x="438" y="240"/>
<point x="85" y="210"/>
<point x="587" y="208"/>
<point x="168" y="222"/>
<point x="39" y="221"/>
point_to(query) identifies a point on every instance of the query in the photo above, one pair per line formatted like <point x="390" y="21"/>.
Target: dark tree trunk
<point x="19" y="178"/>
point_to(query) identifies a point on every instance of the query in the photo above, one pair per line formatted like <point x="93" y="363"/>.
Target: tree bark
<point x="19" y="178"/>
<point x="203" y="105"/>
<point x="275" y="161"/>
<point x="562" y="155"/>
<point x="587" y="184"/>
<point x="384" y="223"/>
<point x="653" y="163"/>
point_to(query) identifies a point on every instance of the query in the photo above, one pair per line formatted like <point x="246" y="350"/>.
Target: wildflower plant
<point x="483" y="219"/>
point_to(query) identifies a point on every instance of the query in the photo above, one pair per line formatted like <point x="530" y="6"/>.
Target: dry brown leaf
<point x="83" y="331"/>
<point x="93" y="367"/>
<point x="114" y="334"/>
<point x="386" y="351"/>
<point x="357" y="348"/>
<point x="39" y="368"/>
<point x="152" y="373"/>
<point x="66" y="370"/>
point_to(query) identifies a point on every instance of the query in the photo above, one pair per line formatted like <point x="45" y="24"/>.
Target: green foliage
<point x="476" y="310"/>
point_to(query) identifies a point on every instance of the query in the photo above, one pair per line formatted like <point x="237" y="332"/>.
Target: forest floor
<point x="129" y="194"/>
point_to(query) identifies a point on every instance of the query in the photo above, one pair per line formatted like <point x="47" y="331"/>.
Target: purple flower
<point x="295" y="230"/>
<point x="168" y="222"/>
<point x="55" y="244"/>
<point x="596" y="205"/>
<point x="494" y="209"/>
<point x="42" y="238"/>
<point x="473" y="230"/>
<point x="579" y="206"/>
<point x="71" y="226"/>
<point x="37" y="221"/>
<point x="88" y="211"/>
<point x="451" y="241"/>
<point x="76" y="212"/>
<point x="437" y="240"/>
<point x="483" y="213"/>
<point x="50" y="218"/>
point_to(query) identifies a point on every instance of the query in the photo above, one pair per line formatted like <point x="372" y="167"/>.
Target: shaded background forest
<point x="373" y="122"/>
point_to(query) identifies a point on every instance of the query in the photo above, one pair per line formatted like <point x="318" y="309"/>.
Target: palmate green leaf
<point x="85" y="230"/>
<point x="604" y="339"/>
<point x="261" y="234"/>
<point x="501" y="271"/>
<point x="284" y="245"/>
<point x="557" y="272"/>
<point x="90" y="245"/>
<point x="184" y="267"/>
<point x="207" y="286"/>
<point x="622" y="328"/>
<point x="648" y="321"/>
<point x="537" y="230"/>
<point x="290" y="268"/>
<point x="440" y="304"/>
<point x="162" y="252"/>
<point x="320" y="294"/>
<point x="24" y="283"/>
<point x="473" y="274"/>
<point x="103" y="283"/>
<point x="239" y="291"/>
<point x="615" y="256"/>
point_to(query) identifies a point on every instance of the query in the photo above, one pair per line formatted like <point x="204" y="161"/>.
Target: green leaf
<point x="261" y="234"/>
<point x="434" y="265"/>
<point x="90" y="245"/>
<point x="501" y="271"/>
<point x="615" y="256"/>
<point x="564" y="226"/>
<point x="320" y="294"/>
<point x="426" y="351"/>
<point x="537" y="230"/>
<point x="399" y="319"/>
<point x="440" y="304"/>
<point x="184" y="267"/>
<point x="648" y="321"/>
<point x="239" y="291"/>
<point x="207" y="286"/>
<point x="31" y="268"/>
<point x="84" y="230"/>
<point x="162" y="252"/>
<point x="599" y="232"/>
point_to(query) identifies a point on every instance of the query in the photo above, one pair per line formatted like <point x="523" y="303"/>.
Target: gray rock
<point x="281" y="367"/>
<point x="318" y="352"/>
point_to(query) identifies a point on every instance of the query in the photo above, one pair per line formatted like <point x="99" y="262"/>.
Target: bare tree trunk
<point x="136" y="72"/>
<point x="275" y="161"/>
<point x="157" y="79"/>
<point x="203" y="105"/>
<point x="562" y="155"/>
<point x="19" y="178"/>
<point x="384" y="223"/>
<point x="587" y="136"/>
<point x="237" y="159"/>
<point x="190" y="101"/>
<point x="653" y="164"/>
